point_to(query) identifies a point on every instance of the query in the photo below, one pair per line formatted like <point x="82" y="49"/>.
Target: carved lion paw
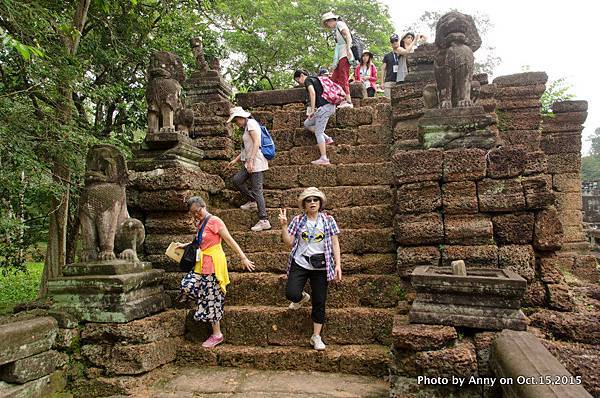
<point x="464" y="103"/>
<point x="106" y="255"/>
<point x="88" y="255"/>
<point x="128" y="254"/>
<point x="446" y="104"/>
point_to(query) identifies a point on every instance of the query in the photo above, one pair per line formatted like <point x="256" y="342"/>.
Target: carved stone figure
<point x="215" y="64"/>
<point x="184" y="120"/>
<point x="105" y="223"/>
<point x="164" y="90"/>
<point x="198" y="51"/>
<point x="456" y="38"/>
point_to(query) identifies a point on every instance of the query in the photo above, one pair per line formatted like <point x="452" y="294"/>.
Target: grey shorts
<point x="320" y="118"/>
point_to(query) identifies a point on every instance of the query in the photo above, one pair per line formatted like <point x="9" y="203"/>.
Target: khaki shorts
<point x="387" y="88"/>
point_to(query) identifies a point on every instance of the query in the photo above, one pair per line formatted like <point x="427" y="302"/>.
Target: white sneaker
<point x="261" y="225"/>
<point x="317" y="343"/>
<point x="249" y="206"/>
<point x="305" y="298"/>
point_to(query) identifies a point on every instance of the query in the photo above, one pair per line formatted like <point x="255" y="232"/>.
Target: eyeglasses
<point x="394" y="41"/>
<point x="311" y="200"/>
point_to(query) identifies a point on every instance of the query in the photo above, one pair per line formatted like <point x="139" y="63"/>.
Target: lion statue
<point x="456" y="38"/>
<point x="105" y="222"/>
<point x="165" y="76"/>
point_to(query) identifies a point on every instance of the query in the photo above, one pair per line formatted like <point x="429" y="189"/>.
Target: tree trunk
<point x="57" y="230"/>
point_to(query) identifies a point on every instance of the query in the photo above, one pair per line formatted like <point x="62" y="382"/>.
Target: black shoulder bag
<point x="188" y="260"/>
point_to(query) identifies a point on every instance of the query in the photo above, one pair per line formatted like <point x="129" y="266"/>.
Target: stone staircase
<point x="260" y="331"/>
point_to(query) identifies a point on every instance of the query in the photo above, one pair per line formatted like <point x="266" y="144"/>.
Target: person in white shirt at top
<point x="253" y="167"/>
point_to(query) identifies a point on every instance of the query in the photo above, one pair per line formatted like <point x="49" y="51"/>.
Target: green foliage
<point x="269" y="39"/>
<point x="19" y="287"/>
<point x="556" y="90"/>
<point x="590" y="168"/>
<point x="399" y="292"/>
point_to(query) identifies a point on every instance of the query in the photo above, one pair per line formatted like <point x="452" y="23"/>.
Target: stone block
<point x="423" y="229"/>
<point x="41" y="388"/>
<point x="132" y="359"/>
<point x="419" y="165"/>
<point x="538" y="193"/>
<point x="458" y="361"/>
<point x="522" y="79"/>
<point x="559" y="297"/>
<point x="317" y="176"/>
<point x="167" y="200"/>
<point x="288" y="119"/>
<point x="281" y="177"/>
<point x="473" y="256"/>
<point x="406" y="130"/>
<point x="352" y="117"/>
<point x="530" y="139"/>
<point x="500" y="195"/>
<point x="164" y="325"/>
<point x="460" y="197"/>
<point x="514" y="228"/>
<point x="536" y="163"/>
<point x="564" y="163"/>
<point x="411" y="257"/>
<point x="271" y="97"/>
<point x="464" y="164"/>
<point x="558" y="143"/>
<point x="23" y="370"/>
<point x="420" y="197"/>
<point x="65" y="338"/>
<point x="568" y="201"/>
<point x="417" y="337"/>
<point x="579" y="359"/>
<point x="586" y="267"/>
<point x="23" y="339"/>
<point x="483" y="342"/>
<point x="569" y="106"/>
<point x="528" y="91"/>
<point x="571" y="218"/>
<point x="521" y="355"/>
<point x="581" y="328"/>
<point x="365" y="174"/>
<point x="506" y="161"/>
<point x="517" y="103"/>
<point x="521" y="119"/>
<point x="177" y="179"/>
<point x="468" y="230"/>
<point x="518" y="258"/>
<point x="535" y="296"/>
<point x="551" y="269"/>
<point x="567" y="182"/>
<point x="548" y="231"/>
<point x="374" y="134"/>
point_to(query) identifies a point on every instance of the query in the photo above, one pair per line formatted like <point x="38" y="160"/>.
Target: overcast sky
<point x="560" y="38"/>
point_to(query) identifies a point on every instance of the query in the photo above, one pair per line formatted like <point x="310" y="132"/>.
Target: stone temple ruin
<point x="460" y="211"/>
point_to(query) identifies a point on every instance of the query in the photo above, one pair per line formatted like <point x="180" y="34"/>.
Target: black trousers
<point x="318" y="285"/>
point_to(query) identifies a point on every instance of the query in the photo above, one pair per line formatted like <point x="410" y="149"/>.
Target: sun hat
<point x="365" y="51"/>
<point x="327" y="16"/>
<point x="237" y="111"/>
<point x="307" y="193"/>
<point x="407" y="34"/>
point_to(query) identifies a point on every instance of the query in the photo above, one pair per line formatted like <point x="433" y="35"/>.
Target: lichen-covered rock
<point x="31" y="368"/>
<point x="500" y="195"/>
<point x="25" y="338"/>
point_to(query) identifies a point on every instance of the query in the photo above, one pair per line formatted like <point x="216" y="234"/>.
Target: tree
<point x="486" y="59"/>
<point x="269" y="39"/>
<point x="556" y="90"/>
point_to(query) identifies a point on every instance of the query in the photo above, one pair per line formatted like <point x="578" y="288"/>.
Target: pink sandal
<point x="212" y="341"/>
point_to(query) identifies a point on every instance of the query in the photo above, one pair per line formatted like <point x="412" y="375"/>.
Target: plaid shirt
<point x="298" y="225"/>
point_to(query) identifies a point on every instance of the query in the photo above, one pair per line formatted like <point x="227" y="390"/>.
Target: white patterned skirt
<point x="205" y="291"/>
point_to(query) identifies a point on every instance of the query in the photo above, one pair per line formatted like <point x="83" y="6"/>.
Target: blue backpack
<point x="267" y="146"/>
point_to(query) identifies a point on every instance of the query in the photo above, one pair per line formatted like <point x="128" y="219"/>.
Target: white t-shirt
<point x="339" y="38"/>
<point x="260" y="162"/>
<point x="312" y="241"/>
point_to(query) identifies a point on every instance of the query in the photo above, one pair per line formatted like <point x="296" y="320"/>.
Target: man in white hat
<point x="254" y="165"/>
<point x="342" y="55"/>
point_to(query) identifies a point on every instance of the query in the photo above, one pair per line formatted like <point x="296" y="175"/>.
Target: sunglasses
<point x="311" y="200"/>
<point x="394" y="41"/>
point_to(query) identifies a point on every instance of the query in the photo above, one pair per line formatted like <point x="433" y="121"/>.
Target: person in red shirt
<point x="366" y="73"/>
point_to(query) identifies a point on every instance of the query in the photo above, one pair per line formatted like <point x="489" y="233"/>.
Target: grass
<point x="20" y="287"/>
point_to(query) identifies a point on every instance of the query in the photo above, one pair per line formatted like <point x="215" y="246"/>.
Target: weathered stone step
<point x="372" y="360"/>
<point x="269" y="325"/>
<point x="263" y="288"/>
<point x="380" y="216"/>
<point x="356" y="241"/>
<point x="373" y="263"/>
<point x="337" y="154"/>
<point x="309" y="175"/>
<point x="337" y="196"/>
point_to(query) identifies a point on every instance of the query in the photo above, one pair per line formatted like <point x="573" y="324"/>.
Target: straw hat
<point x="367" y="52"/>
<point x="311" y="191"/>
<point x="327" y="16"/>
<point x="237" y="111"/>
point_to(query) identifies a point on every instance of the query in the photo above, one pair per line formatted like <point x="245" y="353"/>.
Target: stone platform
<point x="109" y="291"/>
<point x="484" y="299"/>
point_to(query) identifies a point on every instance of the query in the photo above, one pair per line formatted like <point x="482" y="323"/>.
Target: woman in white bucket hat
<point x="342" y="55"/>
<point x="253" y="167"/>
<point x="315" y="256"/>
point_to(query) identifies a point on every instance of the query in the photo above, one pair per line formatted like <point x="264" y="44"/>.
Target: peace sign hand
<point x="283" y="217"/>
